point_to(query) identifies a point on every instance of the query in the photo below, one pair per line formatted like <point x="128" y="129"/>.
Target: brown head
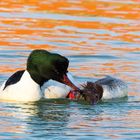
<point x="92" y="92"/>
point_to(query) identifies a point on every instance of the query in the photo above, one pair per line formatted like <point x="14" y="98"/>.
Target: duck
<point x="42" y="66"/>
<point x="106" y="88"/>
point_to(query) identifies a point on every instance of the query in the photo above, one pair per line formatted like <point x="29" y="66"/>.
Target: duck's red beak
<point x="71" y="95"/>
<point x="66" y="81"/>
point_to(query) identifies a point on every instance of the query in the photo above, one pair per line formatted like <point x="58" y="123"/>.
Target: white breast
<point x="24" y="90"/>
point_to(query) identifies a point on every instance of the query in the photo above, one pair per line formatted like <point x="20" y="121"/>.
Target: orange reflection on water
<point x="8" y="69"/>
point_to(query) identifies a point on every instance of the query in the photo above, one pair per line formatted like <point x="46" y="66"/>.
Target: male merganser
<point x="42" y="66"/>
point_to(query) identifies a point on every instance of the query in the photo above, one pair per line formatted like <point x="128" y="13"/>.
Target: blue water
<point x="110" y="47"/>
<point x="62" y="119"/>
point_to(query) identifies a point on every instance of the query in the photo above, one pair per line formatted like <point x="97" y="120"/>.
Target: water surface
<point x="100" y="37"/>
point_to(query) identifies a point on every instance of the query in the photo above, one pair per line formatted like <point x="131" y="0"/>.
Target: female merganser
<point x="102" y="89"/>
<point x="25" y="85"/>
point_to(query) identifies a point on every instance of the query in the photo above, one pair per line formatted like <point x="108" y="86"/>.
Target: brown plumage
<point x="91" y="92"/>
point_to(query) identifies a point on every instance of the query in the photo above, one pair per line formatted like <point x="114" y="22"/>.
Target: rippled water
<point x="100" y="37"/>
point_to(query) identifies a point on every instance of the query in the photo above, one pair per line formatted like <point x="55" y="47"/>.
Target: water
<point x="99" y="37"/>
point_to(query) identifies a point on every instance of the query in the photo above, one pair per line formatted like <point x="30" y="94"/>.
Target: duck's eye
<point x="97" y="97"/>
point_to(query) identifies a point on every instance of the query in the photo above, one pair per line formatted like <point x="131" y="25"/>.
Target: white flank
<point x="54" y="89"/>
<point x="54" y="92"/>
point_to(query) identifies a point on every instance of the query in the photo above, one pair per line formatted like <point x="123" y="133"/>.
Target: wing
<point x="108" y="80"/>
<point x="13" y="79"/>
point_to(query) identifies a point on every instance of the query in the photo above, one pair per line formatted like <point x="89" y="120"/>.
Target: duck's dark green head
<point x="43" y="65"/>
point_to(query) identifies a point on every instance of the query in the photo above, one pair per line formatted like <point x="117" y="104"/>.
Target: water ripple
<point x="66" y="17"/>
<point x="99" y="37"/>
